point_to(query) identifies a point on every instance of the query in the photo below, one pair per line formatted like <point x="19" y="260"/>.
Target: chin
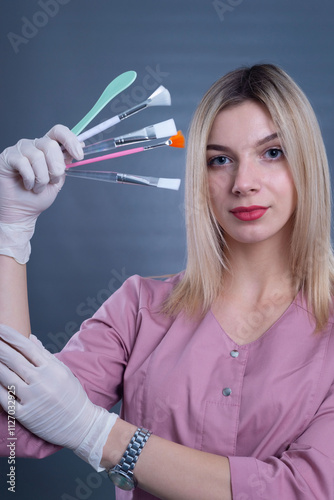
<point x="249" y="240"/>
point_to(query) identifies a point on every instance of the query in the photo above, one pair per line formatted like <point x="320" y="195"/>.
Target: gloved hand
<point x="31" y="175"/>
<point x="51" y="402"/>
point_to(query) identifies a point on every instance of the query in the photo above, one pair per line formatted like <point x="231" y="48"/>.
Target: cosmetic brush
<point x="176" y="141"/>
<point x="116" y="177"/>
<point x="156" y="131"/>
<point x="119" y="84"/>
<point x="160" y="97"/>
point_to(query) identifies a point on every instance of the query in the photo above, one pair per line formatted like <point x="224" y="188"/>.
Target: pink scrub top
<point x="268" y="405"/>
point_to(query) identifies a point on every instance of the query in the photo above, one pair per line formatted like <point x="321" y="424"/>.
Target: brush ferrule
<point x="123" y="141"/>
<point x="134" y="179"/>
<point x="133" y="110"/>
<point x="158" y="145"/>
<point x="145" y="134"/>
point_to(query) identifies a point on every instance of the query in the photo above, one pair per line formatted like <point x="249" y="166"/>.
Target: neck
<point x="258" y="270"/>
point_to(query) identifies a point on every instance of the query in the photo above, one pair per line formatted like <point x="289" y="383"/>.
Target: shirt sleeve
<point x="305" y="471"/>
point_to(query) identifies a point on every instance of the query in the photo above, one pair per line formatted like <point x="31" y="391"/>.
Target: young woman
<point x="228" y="364"/>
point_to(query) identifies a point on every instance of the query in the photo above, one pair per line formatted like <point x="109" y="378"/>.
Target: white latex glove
<point x="31" y="175"/>
<point x="51" y="402"/>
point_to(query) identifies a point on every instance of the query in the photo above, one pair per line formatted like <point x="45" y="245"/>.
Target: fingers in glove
<point x="19" y="353"/>
<point x="9" y="379"/>
<point x="68" y="140"/>
<point x="54" y="159"/>
<point x="18" y="363"/>
<point x="36" y="341"/>
<point x="56" y="156"/>
<point x="43" y="161"/>
<point x="17" y="160"/>
<point x="32" y="348"/>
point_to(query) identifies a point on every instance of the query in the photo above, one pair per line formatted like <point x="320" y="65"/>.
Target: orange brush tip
<point x="178" y="140"/>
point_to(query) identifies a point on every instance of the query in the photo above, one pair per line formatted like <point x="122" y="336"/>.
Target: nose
<point x="247" y="178"/>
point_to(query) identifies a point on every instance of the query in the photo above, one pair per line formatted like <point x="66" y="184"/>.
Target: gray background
<point x="59" y="57"/>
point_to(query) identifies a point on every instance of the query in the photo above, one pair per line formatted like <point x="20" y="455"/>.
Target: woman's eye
<point x="218" y="161"/>
<point x="274" y="153"/>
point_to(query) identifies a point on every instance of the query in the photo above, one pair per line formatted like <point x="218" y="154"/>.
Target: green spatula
<point x="114" y="88"/>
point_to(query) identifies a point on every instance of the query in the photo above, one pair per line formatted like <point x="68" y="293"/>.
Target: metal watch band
<point x="128" y="461"/>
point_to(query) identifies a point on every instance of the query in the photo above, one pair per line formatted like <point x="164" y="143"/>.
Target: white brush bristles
<point x="165" y="129"/>
<point x="169" y="183"/>
<point x="160" y="97"/>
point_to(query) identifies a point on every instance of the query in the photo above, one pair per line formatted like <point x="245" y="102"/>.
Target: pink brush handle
<point x="105" y="157"/>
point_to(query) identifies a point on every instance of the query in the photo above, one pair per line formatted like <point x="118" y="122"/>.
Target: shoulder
<point x="139" y="292"/>
<point x="303" y="313"/>
<point x="154" y="290"/>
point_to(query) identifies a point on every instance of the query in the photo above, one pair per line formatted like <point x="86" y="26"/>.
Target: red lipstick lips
<point x="249" y="213"/>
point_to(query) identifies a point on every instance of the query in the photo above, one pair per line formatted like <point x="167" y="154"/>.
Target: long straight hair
<point x="311" y="257"/>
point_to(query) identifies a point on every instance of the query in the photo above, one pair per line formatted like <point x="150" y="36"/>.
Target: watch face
<point x="121" y="480"/>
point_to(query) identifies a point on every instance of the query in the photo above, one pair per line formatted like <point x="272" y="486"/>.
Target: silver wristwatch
<point x="122" y="474"/>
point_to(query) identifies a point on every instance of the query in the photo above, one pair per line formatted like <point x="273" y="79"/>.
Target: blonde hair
<point x="311" y="258"/>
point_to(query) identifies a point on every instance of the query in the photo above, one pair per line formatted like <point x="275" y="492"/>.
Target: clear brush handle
<point x="98" y="147"/>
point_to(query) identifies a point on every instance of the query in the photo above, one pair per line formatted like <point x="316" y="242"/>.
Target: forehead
<point x="249" y="121"/>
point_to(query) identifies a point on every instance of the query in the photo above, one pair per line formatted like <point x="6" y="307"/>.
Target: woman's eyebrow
<point x="218" y="147"/>
<point x="267" y="139"/>
<point x="221" y="147"/>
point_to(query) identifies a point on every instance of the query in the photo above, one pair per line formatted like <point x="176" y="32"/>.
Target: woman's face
<point x="251" y="187"/>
